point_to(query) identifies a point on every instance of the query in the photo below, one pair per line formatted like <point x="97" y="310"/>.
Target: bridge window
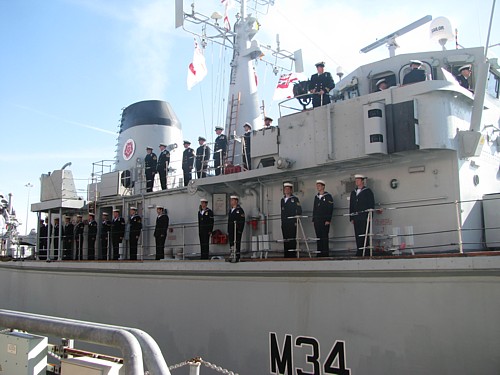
<point x="493" y="85"/>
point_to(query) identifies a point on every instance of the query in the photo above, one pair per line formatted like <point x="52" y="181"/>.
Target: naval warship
<point x="423" y="299"/>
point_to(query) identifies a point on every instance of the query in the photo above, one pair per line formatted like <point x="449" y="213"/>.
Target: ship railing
<point x="397" y="229"/>
<point x="137" y="347"/>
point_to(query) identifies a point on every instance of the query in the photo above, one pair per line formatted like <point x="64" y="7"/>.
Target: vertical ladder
<point x="232" y="122"/>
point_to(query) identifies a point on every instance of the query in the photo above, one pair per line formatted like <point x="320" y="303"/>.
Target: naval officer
<point x="105" y="235"/>
<point x="320" y="84"/>
<point x="202" y="158"/>
<point x="361" y="200"/>
<point x="322" y="217"/>
<point x="290" y="207"/>
<point x="247" y="158"/>
<point x="161" y="230"/>
<point x="68" y="234"/>
<point x="135" y="222"/>
<point x="235" y="225"/>
<point x="150" y="162"/>
<point x="220" y="148"/>
<point x="464" y="73"/>
<point x="91" y="236"/>
<point x="79" y="229"/>
<point x="415" y="74"/>
<point x="187" y="162"/>
<point x="117" y="233"/>
<point x="205" y="227"/>
<point x="162" y="165"/>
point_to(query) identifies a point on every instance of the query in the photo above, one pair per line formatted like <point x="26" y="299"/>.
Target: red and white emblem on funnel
<point x="128" y="149"/>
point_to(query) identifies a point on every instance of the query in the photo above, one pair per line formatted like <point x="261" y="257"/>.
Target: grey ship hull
<point x="389" y="316"/>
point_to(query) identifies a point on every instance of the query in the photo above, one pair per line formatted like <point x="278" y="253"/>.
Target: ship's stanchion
<point x="194" y="367"/>
<point x="459" y="228"/>
<point x="369" y="233"/>
<point x="300" y="235"/>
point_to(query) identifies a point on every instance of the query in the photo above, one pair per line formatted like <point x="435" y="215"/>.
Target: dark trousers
<point x="42" y="249"/>
<point x="150" y="179"/>
<point x="247" y="161"/>
<point x="322" y="232"/>
<point x="232" y="244"/>
<point x="218" y="162"/>
<point x="160" y="247"/>
<point x="359" y="232"/>
<point x="68" y="249"/>
<point x="201" y="170"/>
<point x="205" y="243"/>
<point x="187" y="176"/>
<point x="289" y="230"/>
<point x="319" y="100"/>
<point x="116" y="248"/>
<point x="91" y="248"/>
<point x="133" y="246"/>
<point x="163" y="180"/>
<point x="104" y="246"/>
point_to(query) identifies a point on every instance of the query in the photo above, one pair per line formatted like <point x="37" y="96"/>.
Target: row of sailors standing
<point x="113" y="231"/>
<point x="198" y="159"/>
<point x="416" y="74"/>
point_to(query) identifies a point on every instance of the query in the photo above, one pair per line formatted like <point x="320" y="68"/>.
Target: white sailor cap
<point x="149" y="148"/>
<point x="235" y="197"/>
<point x="418" y="62"/>
<point x="321" y="63"/>
<point x="468" y="67"/>
<point x="162" y="144"/>
<point x="320" y="182"/>
<point x="247" y="124"/>
<point x="91" y="214"/>
<point x="186" y="142"/>
<point x="380" y="81"/>
<point x="79" y="216"/>
<point x="288" y="184"/>
<point x="200" y="138"/>
<point x="116" y="210"/>
<point x="203" y="200"/>
<point x="105" y="214"/>
<point x="359" y="176"/>
<point x="218" y="127"/>
<point x="159" y="207"/>
<point x="133" y="208"/>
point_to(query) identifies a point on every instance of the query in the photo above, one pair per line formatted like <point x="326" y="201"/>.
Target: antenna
<point x="391" y="38"/>
<point x="441" y="30"/>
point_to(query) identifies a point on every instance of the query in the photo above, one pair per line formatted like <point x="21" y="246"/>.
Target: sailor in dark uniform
<point x="247" y="158"/>
<point x="117" y="233"/>
<point x="150" y="162"/>
<point x="162" y="166"/>
<point x="464" y="73"/>
<point x="322" y="217"/>
<point x="205" y="227"/>
<point x="235" y="221"/>
<point x="187" y="162"/>
<point x="79" y="228"/>
<point x="43" y="239"/>
<point x="54" y="238"/>
<point x="320" y="84"/>
<point x="220" y="148"/>
<point x="68" y="234"/>
<point x="161" y="230"/>
<point x="91" y="236"/>
<point x="105" y="235"/>
<point x="135" y="222"/>
<point x="202" y="158"/>
<point x="415" y="74"/>
<point x="361" y="199"/>
<point x="290" y="207"/>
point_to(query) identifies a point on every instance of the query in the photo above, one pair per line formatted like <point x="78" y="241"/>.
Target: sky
<point x="69" y="67"/>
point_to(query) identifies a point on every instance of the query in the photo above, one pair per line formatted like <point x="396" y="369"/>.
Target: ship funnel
<point x="441" y="30"/>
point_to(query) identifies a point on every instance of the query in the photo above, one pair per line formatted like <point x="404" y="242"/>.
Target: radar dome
<point x="441" y="30"/>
